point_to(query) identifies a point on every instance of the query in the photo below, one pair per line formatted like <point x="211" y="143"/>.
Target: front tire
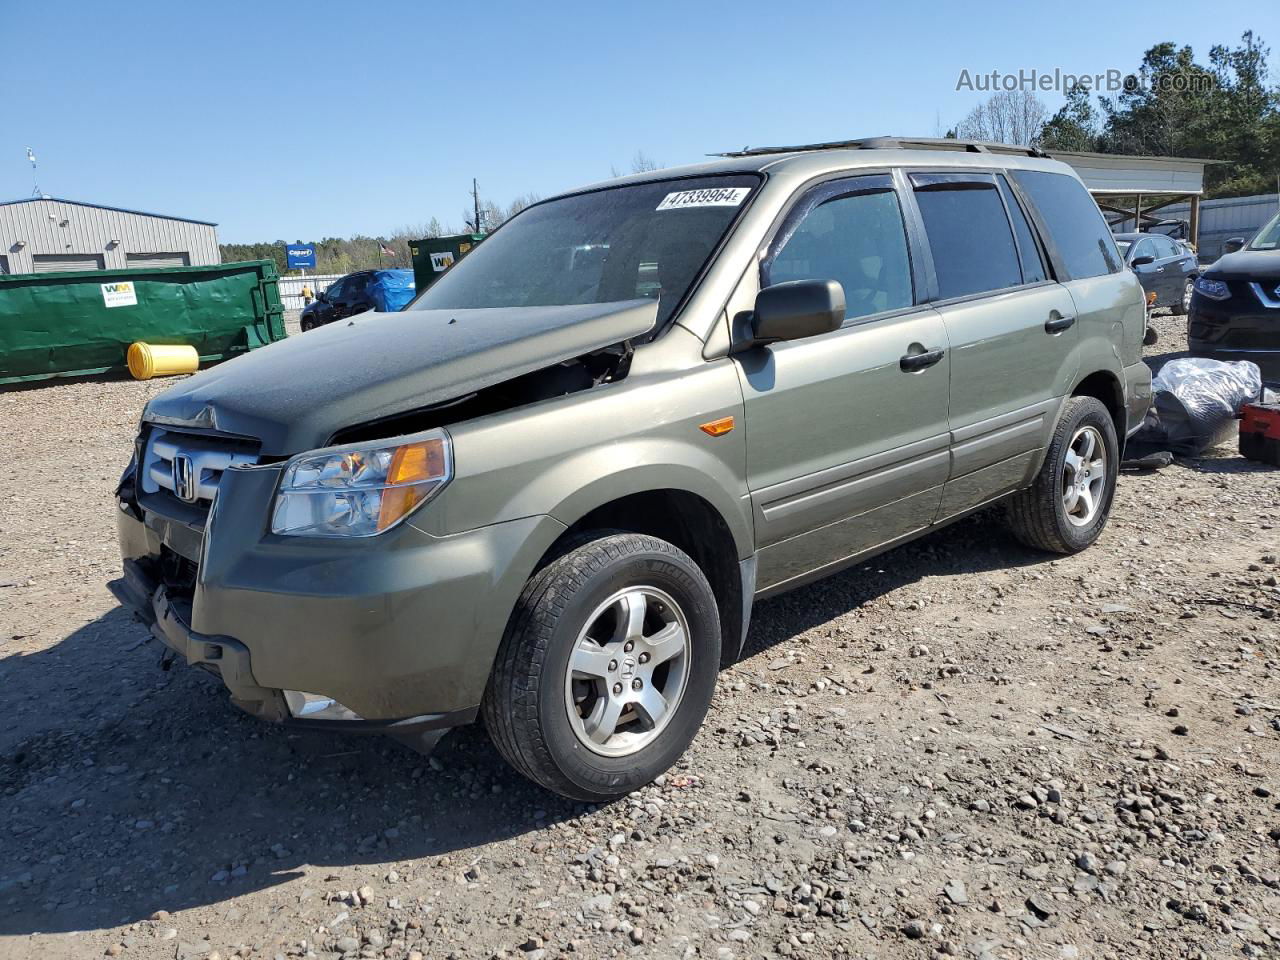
<point x="1066" y="508"/>
<point x="607" y="667"/>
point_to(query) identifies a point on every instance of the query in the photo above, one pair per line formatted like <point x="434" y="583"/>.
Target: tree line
<point x="337" y="255"/>
<point x="1172" y="105"/>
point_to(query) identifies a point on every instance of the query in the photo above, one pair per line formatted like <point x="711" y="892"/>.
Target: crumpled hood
<point x="1246" y="264"/>
<point x="296" y="394"/>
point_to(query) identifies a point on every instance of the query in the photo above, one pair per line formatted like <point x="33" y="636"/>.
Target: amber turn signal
<point x="717" y="428"/>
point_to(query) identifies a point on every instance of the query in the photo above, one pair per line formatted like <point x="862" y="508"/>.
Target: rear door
<point x="846" y="432"/>
<point x="1011" y="328"/>
<point x="1176" y="267"/>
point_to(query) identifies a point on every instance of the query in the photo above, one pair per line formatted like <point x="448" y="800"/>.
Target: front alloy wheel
<point x="628" y="671"/>
<point x="607" y="666"/>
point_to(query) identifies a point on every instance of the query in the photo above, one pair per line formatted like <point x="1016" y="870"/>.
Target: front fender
<point x="643" y="466"/>
<point x="568" y="456"/>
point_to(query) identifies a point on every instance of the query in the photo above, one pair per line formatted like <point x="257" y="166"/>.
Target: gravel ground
<point x="962" y="748"/>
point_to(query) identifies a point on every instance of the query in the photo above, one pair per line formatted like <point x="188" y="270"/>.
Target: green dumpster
<point x="434" y="255"/>
<point x="73" y="324"/>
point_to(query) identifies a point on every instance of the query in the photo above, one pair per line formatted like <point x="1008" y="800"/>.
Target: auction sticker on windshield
<point x="713" y="197"/>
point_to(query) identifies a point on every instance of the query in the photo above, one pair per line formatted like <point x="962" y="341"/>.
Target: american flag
<point x="386" y="250"/>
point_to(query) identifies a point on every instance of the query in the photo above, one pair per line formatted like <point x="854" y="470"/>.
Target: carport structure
<point x="1132" y="190"/>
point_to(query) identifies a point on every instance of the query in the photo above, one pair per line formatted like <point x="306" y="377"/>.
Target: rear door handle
<point x="1058" y="324"/>
<point x="915" y="362"/>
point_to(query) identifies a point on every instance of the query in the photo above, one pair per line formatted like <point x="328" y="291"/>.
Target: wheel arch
<point x="1105" y="387"/>
<point x="695" y="525"/>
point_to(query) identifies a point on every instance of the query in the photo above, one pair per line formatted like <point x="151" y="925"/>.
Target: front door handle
<point x="915" y="362"/>
<point x="1058" y="324"/>
<point x="1159" y="269"/>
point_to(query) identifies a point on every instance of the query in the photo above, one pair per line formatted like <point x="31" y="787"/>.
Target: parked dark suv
<point x="1235" y="311"/>
<point x="1164" y="267"/>
<point x="385" y="290"/>
<point x="550" y="491"/>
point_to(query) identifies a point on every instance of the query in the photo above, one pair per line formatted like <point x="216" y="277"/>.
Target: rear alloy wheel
<point x="1067" y="506"/>
<point x="1183" y="306"/>
<point x="607" y="667"/>
<point x="1084" y="476"/>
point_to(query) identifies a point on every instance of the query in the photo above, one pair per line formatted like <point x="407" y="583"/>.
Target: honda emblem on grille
<point x="185" y="487"/>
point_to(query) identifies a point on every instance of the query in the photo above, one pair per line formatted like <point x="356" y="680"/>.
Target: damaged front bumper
<point x="391" y="634"/>
<point x="229" y="660"/>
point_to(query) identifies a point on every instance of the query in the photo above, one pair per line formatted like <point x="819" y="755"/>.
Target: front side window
<point x="646" y="240"/>
<point x="969" y="233"/>
<point x="856" y="237"/>
<point x="1080" y="234"/>
<point x="1165" y="247"/>
<point x="1144" y="249"/>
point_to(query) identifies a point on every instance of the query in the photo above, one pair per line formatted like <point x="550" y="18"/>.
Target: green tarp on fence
<point x="71" y="324"/>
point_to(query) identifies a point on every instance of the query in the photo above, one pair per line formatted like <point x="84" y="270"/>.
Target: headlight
<point x="362" y="490"/>
<point x="1213" y="289"/>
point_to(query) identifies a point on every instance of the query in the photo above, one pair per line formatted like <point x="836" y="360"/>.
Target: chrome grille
<point x="171" y="456"/>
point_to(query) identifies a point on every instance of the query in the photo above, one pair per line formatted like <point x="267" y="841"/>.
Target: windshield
<point x="648" y="240"/>
<point x="1268" y="237"/>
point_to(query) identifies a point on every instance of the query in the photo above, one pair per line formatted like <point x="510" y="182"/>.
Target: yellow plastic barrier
<point x="148" y="360"/>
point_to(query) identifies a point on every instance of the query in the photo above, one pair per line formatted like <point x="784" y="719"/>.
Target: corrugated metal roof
<point x="103" y="206"/>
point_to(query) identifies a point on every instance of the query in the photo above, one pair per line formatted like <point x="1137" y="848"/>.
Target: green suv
<point x="549" y="491"/>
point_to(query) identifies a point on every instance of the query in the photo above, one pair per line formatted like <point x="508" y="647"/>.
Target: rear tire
<point x="607" y="667"/>
<point x="1066" y="508"/>
<point x="1183" y="306"/>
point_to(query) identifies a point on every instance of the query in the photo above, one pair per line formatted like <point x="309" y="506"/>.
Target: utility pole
<point x="475" y="199"/>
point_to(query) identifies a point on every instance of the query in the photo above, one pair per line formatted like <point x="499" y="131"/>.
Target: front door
<point x="1150" y="275"/>
<point x="846" y="432"/>
<point x="1012" y="330"/>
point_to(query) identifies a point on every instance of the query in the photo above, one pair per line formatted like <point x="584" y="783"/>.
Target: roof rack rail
<point x="895" y="143"/>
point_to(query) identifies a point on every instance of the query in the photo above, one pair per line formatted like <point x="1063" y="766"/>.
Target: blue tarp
<point x="390" y="290"/>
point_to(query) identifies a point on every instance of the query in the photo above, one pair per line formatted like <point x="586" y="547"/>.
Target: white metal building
<point x="1137" y="190"/>
<point x="47" y="235"/>
<point x="1227" y="217"/>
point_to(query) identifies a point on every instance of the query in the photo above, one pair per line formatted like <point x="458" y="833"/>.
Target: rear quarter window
<point x="1080" y="235"/>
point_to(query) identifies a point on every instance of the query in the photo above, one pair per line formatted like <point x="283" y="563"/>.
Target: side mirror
<point x="1141" y="261"/>
<point x="798" y="309"/>
<point x="1234" y="245"/>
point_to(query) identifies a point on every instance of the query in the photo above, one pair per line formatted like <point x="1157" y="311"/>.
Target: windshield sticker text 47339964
<point x="711" y="197"/>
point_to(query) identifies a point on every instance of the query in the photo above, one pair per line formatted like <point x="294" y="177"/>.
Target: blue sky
<point x="309" y="119"/>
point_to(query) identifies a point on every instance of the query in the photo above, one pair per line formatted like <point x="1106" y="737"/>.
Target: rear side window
<point x="1028" y="252"/>
<point x="856" y="237"/>
<point x="969" y="233"/>
<point x="1080" y="235"/>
